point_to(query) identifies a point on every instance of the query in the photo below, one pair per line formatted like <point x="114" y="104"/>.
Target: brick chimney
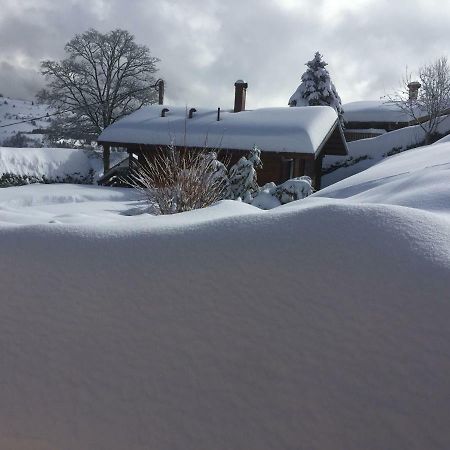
<point x="414" y="87"/>
<point x="160" y="92"/>
<point x="240" y="92"/>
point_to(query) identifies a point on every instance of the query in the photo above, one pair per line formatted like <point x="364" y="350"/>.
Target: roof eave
<point x="319" y="152"/>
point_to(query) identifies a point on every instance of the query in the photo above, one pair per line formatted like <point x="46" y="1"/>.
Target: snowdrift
<point x="368" y="152"/>
<point x="321" y="324"/>
<point x="52" y="163"/>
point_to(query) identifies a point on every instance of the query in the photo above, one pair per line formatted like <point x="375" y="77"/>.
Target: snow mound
<point x="96" y="206"/>
<point x="367" y="152"/>
<point x="52" y="163"/>
<point x="322" y="323"/>
<point x="419" y="178"/>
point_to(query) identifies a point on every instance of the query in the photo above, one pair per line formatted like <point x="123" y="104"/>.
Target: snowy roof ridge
<point x="279" y="129"/>
<point x="374" y="111"/>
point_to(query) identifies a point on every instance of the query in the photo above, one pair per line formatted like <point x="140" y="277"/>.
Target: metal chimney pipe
<point x="414" y="87"/>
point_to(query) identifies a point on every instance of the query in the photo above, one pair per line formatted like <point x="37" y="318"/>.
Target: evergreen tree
<point x="317" y="88"/>
<point x="242" y="176"/>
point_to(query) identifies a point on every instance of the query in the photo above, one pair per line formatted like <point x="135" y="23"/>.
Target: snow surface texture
<point x="53" y="162"/>
<point x="302" y="129"/>
<point x="376" y="149"/>
<point x="322" y="324"/>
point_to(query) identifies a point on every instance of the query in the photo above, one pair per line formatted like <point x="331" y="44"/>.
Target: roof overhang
<point x="303" y="131"/>
<point x="334" y="142"/>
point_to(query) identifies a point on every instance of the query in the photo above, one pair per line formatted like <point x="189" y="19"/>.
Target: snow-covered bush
<point x="174" y="181"/>
<point x="266" y="199"/>
<point x="243" y="178"/>
<point x="10" y="179"/>
<point x="294" y="189"/>
<point x="316" y="88"/>
<point x="270" y="195"/>
<point x="219" y="172"/>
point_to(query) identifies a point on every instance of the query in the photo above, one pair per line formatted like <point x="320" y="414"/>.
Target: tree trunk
<point x="106" y="154"/>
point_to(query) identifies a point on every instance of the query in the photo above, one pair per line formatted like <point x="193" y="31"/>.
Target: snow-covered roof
<point x="374" y="111"/>
<point x="297" y="130"/>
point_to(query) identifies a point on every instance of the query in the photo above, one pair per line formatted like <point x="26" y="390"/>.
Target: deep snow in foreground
<point x="322" y="324"/>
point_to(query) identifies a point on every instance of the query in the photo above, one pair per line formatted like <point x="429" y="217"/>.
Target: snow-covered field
<point x="376" y="149"/>
<point x="321" y="324"/>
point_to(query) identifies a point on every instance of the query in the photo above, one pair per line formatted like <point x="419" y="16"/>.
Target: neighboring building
<point x="365" y="119"/>
<point x="293" y="141"/>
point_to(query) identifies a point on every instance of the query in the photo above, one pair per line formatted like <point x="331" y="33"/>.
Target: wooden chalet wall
<point x="388" y="126"/>
<point x="277" y="167"/>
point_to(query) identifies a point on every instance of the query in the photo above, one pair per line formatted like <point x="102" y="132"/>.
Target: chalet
<point x="366" y="119"/>
<point x="293" y="141"/>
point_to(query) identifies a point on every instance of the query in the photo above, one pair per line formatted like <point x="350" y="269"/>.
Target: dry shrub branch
<point x="174" y="181"/>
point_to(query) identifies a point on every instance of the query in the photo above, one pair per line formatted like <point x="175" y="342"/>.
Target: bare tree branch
<point x="174" y="181"/>
<point x="427" y="108"/>
<point x="103" y="77"/>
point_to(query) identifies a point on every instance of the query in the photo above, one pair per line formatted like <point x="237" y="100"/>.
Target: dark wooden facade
<point x="277" y="167"/>
<point x="388" y="126"/>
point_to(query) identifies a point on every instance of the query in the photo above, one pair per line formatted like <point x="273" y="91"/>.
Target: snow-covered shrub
<point x="11" y="179"/>
<point x="175" y="181"/>
<point x="219" y="172"/>
<point x="317" y="88"/>
<point x="266" y="199"/>
<point x="294" y="189"/>
<point x="270" y="195"/>
<point x="243" y="178"/>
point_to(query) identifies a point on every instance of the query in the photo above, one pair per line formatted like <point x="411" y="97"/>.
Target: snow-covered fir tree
<point x="217" y="173"/>
<point x="317" y="88"/>
<point x="242" y="176"/>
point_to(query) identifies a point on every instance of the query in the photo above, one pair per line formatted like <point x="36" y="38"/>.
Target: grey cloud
<point x="18" y="82"/>
<point x="205" y="45"/>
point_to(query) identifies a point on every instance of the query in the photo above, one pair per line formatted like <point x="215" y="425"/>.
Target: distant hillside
<point x="22" y="134"/>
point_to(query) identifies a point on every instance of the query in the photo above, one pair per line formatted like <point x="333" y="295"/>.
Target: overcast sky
<point x="205" y="45"/>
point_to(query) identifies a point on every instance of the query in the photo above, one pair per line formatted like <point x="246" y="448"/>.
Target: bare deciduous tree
<point x="103" y="77"/>
<point x="428" y="101"/>
<point x="173" y="181"/>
